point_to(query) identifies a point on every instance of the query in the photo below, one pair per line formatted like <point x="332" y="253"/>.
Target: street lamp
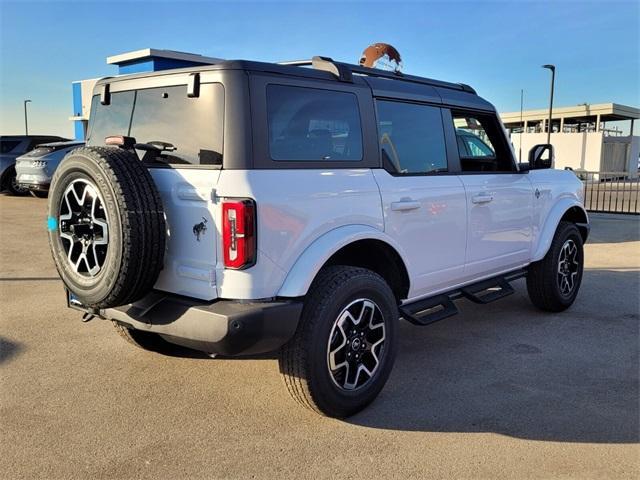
<point x="553" y="78"/>
<point x="26" y="124"/>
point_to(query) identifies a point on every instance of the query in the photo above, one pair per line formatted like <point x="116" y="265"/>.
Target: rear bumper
<point x="41" y="187"/>
<point x="222" y="327"/>
<point x="38" y="181"/>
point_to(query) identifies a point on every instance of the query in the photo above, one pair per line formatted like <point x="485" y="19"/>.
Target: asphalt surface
<point x="500" y="391"/>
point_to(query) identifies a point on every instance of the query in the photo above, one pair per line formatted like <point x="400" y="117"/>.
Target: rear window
<point x="307" y="124"/>
<point x="7" y="145"/>
<point x="192" y="128"/>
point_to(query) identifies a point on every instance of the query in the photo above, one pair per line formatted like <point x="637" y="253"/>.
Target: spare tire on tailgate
<point x="106" y="226"/>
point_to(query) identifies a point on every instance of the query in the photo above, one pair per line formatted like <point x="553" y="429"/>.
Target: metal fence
<point x="610" y="192"/>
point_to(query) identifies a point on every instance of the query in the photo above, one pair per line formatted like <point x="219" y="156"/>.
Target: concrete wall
<point x="576" y="150"/>
<point x="580" y="151"/>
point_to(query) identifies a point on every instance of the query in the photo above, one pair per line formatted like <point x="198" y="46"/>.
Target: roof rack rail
<point x="340" y="70"/>
<point x="344" y="72"/>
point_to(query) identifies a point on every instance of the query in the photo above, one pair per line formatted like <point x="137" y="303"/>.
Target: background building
<point x="580" y="135"/>
<point x="138" y="61"/>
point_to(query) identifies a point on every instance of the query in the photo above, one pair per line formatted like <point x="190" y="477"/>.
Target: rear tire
<point x="106" y="226"/>
<point x="145" y="340"/>
<point x="12" y="185"/>
<point x="554" y="281"/>
<point x="321" y="365"/>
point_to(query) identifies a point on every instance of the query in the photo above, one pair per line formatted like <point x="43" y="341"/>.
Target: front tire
<point x="344" y="349"/>
<point x="554" y="281"/>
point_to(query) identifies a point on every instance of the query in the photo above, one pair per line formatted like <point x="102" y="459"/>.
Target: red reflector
<point x="117" y="140"/>
<point x="239" y="233"/>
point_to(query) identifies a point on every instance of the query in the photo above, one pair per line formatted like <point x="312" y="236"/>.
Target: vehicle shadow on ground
<point x="516" y="371"/>
<point x="8" y="349"/>
<point x="177" y="351"/>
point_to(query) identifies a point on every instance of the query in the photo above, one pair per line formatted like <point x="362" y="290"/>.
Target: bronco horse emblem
<point x="200" y="228"/>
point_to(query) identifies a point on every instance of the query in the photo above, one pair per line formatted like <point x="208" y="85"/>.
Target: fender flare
<point x="551" y="225"/>
<point x="307" y="266"/>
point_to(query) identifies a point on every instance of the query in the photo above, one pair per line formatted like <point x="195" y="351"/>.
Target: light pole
<point x="26" y="123"/>
<point x="553" y="79"/>
<point x="522" y="132"/>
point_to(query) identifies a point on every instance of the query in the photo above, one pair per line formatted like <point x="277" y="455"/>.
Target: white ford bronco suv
<point x="245" y="207"/>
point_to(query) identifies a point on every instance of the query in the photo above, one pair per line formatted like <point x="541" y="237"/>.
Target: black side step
<point x="429" y="310"/>
<point x="424" y="312"/>
<point x="488" y="291"/>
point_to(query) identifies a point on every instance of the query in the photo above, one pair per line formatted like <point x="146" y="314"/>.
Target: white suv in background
<point x="248" y="207"/>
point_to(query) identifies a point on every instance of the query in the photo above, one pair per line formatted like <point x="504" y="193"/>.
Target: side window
<point x="411" y="137"/>
<point x="307" y="124"/>
<point x="480" y="145"/>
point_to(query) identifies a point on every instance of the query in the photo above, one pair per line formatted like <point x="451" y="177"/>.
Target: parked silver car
<point x="35" y="168"/>
<point x="11" y="147"/>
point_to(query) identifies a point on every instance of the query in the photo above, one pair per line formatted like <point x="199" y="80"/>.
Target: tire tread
<point x="143" y="225"/>
<point x="541" y="274"/>
<point x="293" y="357"/>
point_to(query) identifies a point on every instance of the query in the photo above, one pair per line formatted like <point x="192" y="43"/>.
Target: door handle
<point x="482" y="198"/>
<point x="404" y="205"/>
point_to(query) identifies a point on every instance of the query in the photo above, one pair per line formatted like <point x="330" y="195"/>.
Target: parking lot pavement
<point x="497" y="391"/>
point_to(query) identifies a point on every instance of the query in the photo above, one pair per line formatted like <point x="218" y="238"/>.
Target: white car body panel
<point x="294" y="209"/>
<point x="189" y="263"/>
<point x="426" y="214"/>
<point x="558" y="191"/>
<point x="499" y="230"/>
<point x="304" y="216"/>
<point x="314" y="257"/>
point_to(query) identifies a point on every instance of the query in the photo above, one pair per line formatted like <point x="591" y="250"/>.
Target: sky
<point x="497" y="47"/>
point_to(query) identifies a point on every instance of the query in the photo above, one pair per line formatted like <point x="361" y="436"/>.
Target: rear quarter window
<point x="307" y="124"/>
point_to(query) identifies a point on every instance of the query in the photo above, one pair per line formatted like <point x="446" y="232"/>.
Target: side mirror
<point x="541" y="156"/>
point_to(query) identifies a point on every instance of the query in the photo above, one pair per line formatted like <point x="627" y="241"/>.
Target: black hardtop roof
<point x="323" y="68"/>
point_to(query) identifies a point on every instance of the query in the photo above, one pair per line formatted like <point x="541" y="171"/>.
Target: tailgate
<point x="191" y="254"/>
